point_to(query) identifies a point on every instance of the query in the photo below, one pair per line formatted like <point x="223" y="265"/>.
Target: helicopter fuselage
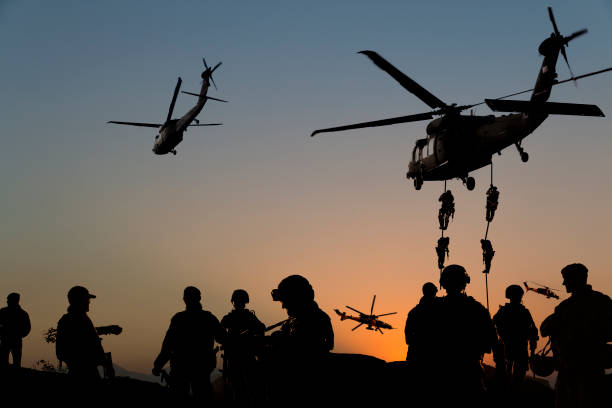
<point x="171" y="132"/>
<point x="458" y="144"/>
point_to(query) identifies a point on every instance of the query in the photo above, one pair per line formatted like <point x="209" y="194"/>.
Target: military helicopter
<point x="372" y="321"/>
<point x="459" y="144"/>
<point x="171" y="131"/>
<point x="542" y="290"/>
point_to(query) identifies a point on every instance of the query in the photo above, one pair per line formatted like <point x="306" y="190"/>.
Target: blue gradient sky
<point x="252" y="201"/>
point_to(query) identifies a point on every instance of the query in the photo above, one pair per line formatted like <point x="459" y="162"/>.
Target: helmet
<point x="454" y="276"/>
<point x="79" y="293"/>
<point x="191" y="293"/>
<point x="575" y="272"/>
<point x="294" y="288"/>
<point x="514" y="291"/>
<point x="429" y="289"/>
<point x="240" y="295"/>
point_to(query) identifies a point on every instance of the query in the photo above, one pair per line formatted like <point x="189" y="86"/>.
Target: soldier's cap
<point x="575" y="271"/>
<point x="79" y="292"/>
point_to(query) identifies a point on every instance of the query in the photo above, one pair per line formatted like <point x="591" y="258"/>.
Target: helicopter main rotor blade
<point x="356" y="327"/>
<point x="372" y="308"/>
<point x="408" y="84"/>
<point x="375" y="123"/>
<point x="386" y="314"/>
<point x="176" y="91"/>
<point x="152" y="125"/>
<point x="552" y="20"/>
<point x="207" y="124"/>
<point x="355" y="310"/>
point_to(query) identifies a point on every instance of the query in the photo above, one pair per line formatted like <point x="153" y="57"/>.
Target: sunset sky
<point x="248" y="203"/>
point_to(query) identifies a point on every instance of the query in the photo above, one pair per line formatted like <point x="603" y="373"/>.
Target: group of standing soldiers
<point x="288" y="358"/>
<point x="448" y="337"/>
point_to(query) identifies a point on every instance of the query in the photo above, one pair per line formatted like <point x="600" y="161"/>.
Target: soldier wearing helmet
<point x="517" y="331"/>
<point x="189" y="346"/>
<point x="464" y="333"/>
<point x="579" y="329"/>
<point x="303" y="342"/>
<point x="243" y="329"/>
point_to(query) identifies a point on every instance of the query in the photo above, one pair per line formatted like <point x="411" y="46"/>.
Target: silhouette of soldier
<point x="464" y="333"/>
<point x="78" y="345"/>
<point x="442" y="250"/>
<point x="579" y="329"/>
<point x="239" y="355"/>
<point x="516" y="330"/>
<point x="14" y="326"/>
<point x="302" y="344"/>
<point x="417" y="327"/>
<point x="492" y="202"/>
<point x="447" y="209"/>
<point x="487" y="254"/>
<point x="189" y="346"/>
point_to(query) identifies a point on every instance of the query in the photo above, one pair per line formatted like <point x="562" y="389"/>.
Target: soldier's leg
<point x="4" y="356"/>
<point x="16" y="353"/>
<point x="202" y="389"/>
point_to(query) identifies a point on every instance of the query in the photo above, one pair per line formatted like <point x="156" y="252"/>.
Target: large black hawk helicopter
<point x="459" y="144"/>
<point x="171" y="131"/>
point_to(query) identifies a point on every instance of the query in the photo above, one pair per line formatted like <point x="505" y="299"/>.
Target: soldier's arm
<point x="166" y="350"/>
<point x="27" y="326"/>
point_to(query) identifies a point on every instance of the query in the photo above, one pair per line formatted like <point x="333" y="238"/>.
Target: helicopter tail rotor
<point x="563" y="41"/>
<point x="209" y="71"/>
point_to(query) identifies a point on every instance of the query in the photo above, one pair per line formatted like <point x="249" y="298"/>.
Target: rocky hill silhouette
<point x="348" y="379"/>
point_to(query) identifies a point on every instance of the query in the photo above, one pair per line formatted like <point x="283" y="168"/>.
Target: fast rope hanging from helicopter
<point x="447" y="211"/>
<point x="487" y="247"/>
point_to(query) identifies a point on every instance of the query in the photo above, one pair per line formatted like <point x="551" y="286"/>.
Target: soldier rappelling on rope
<point x="487" y="254"/>
<point x="447" y="210"/>
<point x="492" y="202"/>
<point x="442" y="250"/>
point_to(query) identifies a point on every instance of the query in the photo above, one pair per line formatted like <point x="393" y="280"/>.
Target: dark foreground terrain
<point x="349" y="379"/>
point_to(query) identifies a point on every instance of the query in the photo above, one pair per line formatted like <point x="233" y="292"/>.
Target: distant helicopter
<point x="171" y="131"/>
<point x="372" y="321"/>
<point x="458" y="144"/>
<point x="542" y="290"/>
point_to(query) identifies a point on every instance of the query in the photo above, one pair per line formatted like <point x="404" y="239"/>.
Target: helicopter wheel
<point x="174" y="152"/>
<point x="524" y="157"/>
<point x="470" y="183"/>
<point x="418" y="183"/>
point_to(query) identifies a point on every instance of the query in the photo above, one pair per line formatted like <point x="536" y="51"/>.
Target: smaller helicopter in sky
<point x="372" y="321"/>
<point x="171" y="131"/>
<point x="542" y="290"/>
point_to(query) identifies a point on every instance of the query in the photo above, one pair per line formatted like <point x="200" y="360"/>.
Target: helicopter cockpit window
<point x="430" y="146"/>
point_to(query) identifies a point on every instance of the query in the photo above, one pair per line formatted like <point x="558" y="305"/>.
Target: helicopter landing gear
<point x="522" y="152"/>
<point x="469" y="182"/>
<point x="173" y="152"/>
<point x="418" y="183"/>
